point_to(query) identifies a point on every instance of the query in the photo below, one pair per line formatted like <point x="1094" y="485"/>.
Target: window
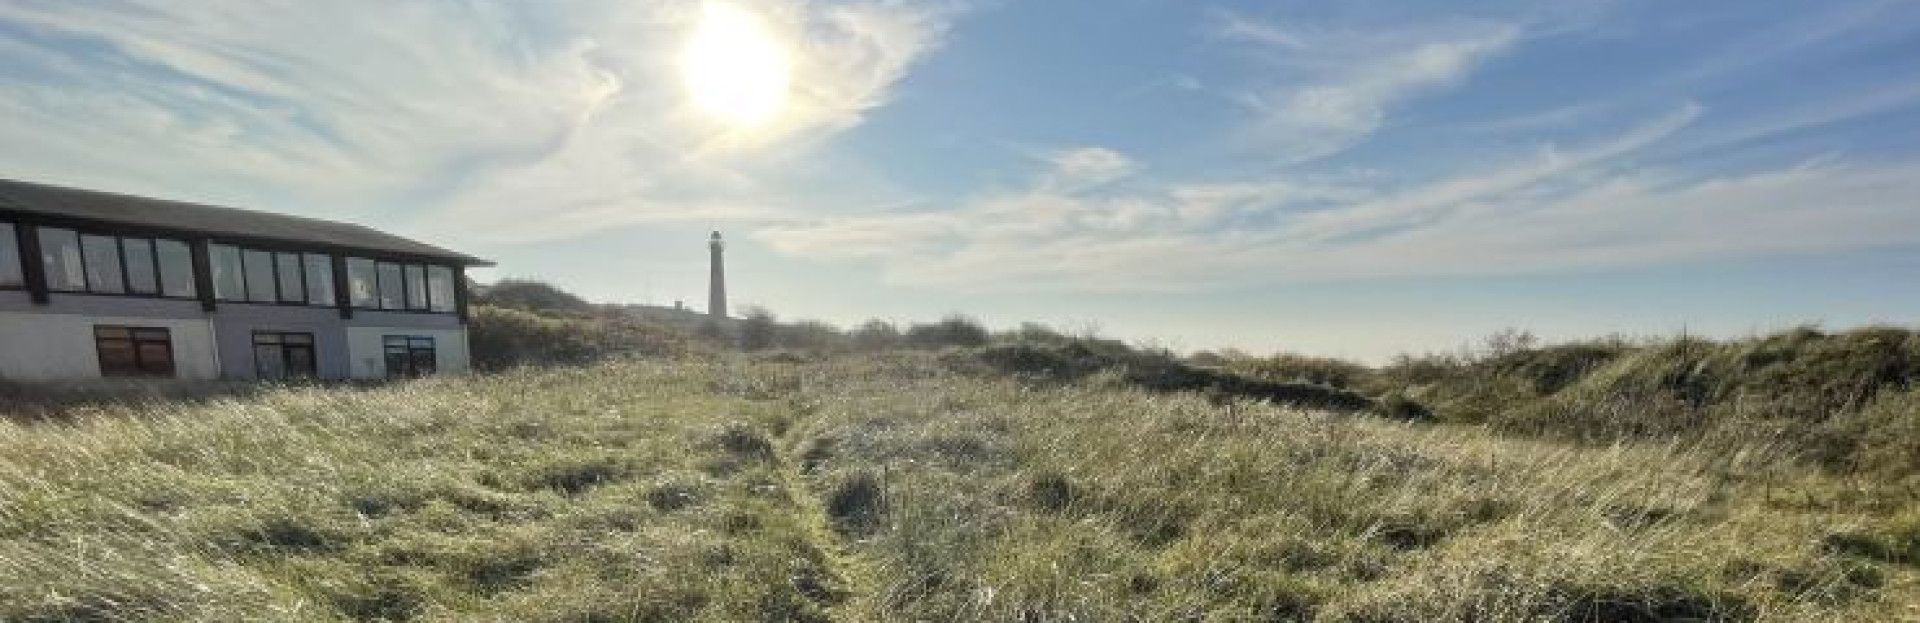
<point x="229" y="280"/>
<point x="60" y="251"/>
<point x="293" y="287"/>
<point x="280" y="356"/>
<point x="440" y="288"/>
<point x="176" y="268"/>
<point x="134" y="351"/>
<point x="10" y="273"/>
<point x="102" y="257"/>
<point x="363" y="284"/>
<point x="141" y="278"/>
<point x="393" y="291"/>
<point x="319" y="279"/>
<point x="409" y="356"/>
<point x="100" y="264"/>
<point x="400" y="287"/>
<point x="416" y="287"/>
<point x="260" y="276"/>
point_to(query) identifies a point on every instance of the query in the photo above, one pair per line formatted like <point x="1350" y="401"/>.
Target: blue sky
<point x="1350" y="178"/>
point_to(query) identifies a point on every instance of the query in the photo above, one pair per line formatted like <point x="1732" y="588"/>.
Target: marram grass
<point x="885" y="488"/>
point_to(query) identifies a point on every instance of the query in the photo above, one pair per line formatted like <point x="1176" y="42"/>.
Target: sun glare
<point x="735" y="69"/>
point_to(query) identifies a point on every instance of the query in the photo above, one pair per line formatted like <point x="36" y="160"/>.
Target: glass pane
<point x="268" y="362"/>
<point x="319" y="279"/>
<point x="297" y="338"/>
<point x="116" y="357"/>
<point x="416" y="287"/>
<point x="362" y="284"/>
<point x="423" y="363"/>
<point x="229" y="281"/>
<point x="392" y="292"/>
<point x="440" y="287"/>
<point x="10" y="274"/>
<point x="266" y="338"/>
<point x="176" y="268"/>
<point x="103" y="264"/>
<point x="156" y="357"/>
<point x="300" y="361"/>
<point x="292" y="289"/>
<point x="60" y="250"/>
<point x="141" y="278"/>
<point x="397" y="363"/>
<point x="150" y="335"/>
<point x="112" y="332"/>
<point x="259" y="276"/>
<point x="420" y="342"/>
<point x="396" y="340"/>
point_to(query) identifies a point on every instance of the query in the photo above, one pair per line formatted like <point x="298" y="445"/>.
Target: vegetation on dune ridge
<point x="632" y="463"/>
<point x="891" y="487"/>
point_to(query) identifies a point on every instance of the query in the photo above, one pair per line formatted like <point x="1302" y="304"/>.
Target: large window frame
<point x="410" y="356"/>
<point x="285" y="356"/>
<point x="118" y="280"/>
<point x="409" y="285"/>
<point x="148" y="351"/>
<point x="290" y="275"/>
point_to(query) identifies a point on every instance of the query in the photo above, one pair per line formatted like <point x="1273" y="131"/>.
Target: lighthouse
<point x="717" y="282"/>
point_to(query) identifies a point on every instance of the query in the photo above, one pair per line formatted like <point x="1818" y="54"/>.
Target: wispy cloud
<point x="1563" y="209"/>
<point x="511" y="122"/>
<point x="1336" y="87"/>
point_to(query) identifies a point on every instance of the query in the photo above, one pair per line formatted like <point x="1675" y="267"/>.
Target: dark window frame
<point x="27" y="224"/>
<point x="406" y="287"/>
<point x="410" y="348"/>
<point x="120" y="248"/>
<point x="286" y="348"/>
<point x="302" y="260"/>
<point x="134" y="341"/>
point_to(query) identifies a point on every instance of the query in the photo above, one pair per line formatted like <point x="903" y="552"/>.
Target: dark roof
<point x="105" y="207"/>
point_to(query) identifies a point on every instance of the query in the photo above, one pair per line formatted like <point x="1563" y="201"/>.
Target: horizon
<point x="1354" y="181"/>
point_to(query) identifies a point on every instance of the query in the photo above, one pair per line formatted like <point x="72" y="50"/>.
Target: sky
<point x="1353" y="179"/>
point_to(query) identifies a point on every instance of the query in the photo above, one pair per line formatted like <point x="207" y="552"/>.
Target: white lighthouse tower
<point x="717" y="282"/>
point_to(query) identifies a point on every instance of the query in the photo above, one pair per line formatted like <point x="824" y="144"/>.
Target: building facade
<point x="103" y="285"/>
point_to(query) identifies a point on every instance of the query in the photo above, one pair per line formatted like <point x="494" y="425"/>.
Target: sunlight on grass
<point x="886" y="487"/>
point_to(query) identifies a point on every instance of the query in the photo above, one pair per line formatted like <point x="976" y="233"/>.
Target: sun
<point x="735" y="69"/>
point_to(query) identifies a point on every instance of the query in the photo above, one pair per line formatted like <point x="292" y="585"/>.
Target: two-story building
<point x="96" y="284"/>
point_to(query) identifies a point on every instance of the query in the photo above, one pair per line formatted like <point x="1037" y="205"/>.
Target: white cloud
<point x="1085" y="167"/>
<point x="1579" y="208"/>
<point x="1336" y="88"/>
<point x="513" y="122"/>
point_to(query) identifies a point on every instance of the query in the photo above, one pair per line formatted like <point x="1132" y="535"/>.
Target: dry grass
<point x="886" y="488"/>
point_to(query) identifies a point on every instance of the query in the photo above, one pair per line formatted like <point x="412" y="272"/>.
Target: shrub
<point x="953" y="330"/>
<point x="529" y="295"/>
<point x="757" y="329"/>
<point x="502" y="338"/>
<point x="1304" y="369"/>
<point x="876" y="334"/>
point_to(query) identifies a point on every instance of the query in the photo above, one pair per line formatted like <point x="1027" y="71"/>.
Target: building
<point x="716" y="278"/>
<point x="96" y="284"/>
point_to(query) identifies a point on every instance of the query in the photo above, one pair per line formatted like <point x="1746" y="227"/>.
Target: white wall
<point x="366" y="348"/>
<point x="58" y="347"/>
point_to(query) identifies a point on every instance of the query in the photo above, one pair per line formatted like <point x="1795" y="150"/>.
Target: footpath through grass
<point x="887" y="488"/>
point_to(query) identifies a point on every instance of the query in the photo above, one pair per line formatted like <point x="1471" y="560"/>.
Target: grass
<point x="889" y="487"/>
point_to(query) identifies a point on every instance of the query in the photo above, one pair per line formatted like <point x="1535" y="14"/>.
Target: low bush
<point x="502" y="338"/>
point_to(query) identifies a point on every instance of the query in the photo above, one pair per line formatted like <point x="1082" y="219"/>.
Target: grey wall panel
<point x="97" y="305"/>
<point x="364" y="318"/>
<point x="235" y="323"/>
